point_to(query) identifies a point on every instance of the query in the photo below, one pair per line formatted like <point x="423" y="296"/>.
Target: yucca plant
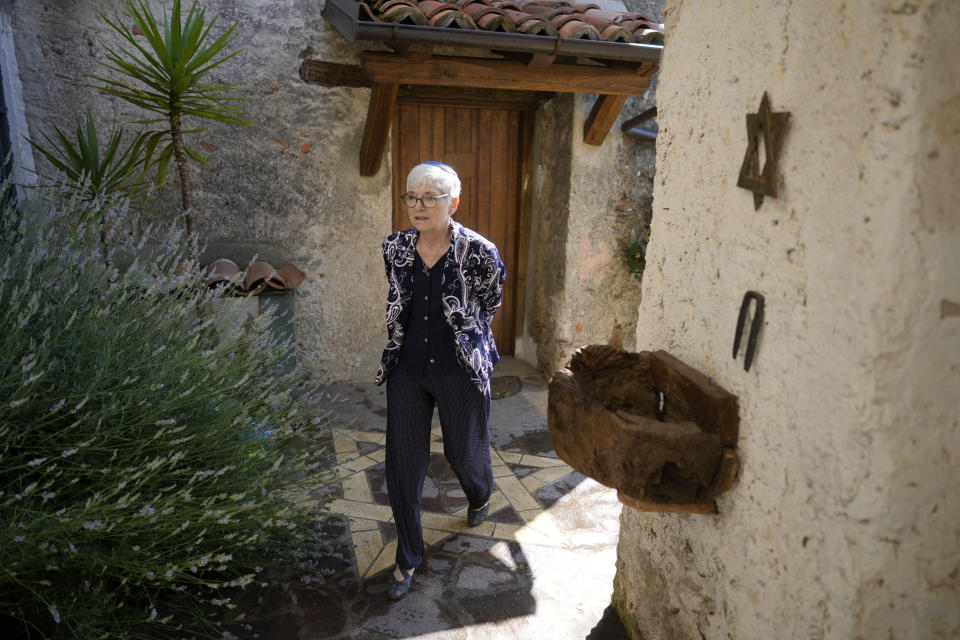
<point x="164" y="74"/>
<point x="92" y="170"/>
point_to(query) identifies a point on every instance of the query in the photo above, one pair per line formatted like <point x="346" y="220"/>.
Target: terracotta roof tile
<point x="488" y="17"/>
<point x="444" y="14"/>
<point x="259" y="276"/>
<point x="401" y="11"/>
<point x="535" y="17"/>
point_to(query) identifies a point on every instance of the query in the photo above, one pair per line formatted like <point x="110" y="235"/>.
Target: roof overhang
<point x="612" y="70"/>
<point x="344" y="16"/>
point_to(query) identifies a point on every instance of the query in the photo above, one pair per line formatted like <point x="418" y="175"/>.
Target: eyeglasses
<point x="428" y="201"/>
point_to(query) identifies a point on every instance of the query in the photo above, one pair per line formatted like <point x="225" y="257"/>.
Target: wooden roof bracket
<point x="538" y="53"/>
<point x="602" y="116"/>
<point x="607" y="108"/>
<point x="383" y="101"/>
<point x="387" y="71"/>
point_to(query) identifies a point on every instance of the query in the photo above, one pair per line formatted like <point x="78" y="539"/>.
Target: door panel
<point x="485" y="146"/>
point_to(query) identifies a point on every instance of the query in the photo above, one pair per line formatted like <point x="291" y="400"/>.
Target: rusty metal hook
<point x="754" y="327"/>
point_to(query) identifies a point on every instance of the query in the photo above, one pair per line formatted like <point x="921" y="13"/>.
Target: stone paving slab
<point x="541" y="566"/>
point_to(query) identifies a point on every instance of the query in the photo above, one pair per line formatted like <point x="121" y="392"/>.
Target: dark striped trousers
<point x="464" y="418"/>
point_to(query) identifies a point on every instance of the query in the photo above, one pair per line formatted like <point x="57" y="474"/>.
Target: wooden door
<point x="487" y="147"/>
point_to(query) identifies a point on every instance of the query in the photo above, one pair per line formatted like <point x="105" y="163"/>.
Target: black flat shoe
<point x="397" y="589"/>
<point x="476" y="518"/>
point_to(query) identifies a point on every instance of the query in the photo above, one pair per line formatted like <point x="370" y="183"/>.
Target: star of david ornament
<point x="767" y="128"/>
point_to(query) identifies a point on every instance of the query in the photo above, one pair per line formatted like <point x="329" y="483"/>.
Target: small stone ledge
<point x="648" y="424"/>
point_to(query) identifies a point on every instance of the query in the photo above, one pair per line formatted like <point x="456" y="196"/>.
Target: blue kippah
<point x="445" y="167"/>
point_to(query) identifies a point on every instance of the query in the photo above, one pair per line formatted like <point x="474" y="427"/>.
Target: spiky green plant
<point x="635" y="255"/>
<point x="165" y="75"/>
<point x="93" y="170"/>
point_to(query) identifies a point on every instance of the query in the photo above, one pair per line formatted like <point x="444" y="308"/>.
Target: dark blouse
<point x="429" y="342"/>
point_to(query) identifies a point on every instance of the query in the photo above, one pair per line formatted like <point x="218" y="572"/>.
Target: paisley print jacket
<point x="472" y="283"/>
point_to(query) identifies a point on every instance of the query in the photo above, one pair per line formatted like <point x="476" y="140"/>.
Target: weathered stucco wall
<point x="844" y="521"/>
<point x="290" y="184"/>
<point x="591" y="203"/>
<point x="548" y="232"/>
<point x="291" y="187"/>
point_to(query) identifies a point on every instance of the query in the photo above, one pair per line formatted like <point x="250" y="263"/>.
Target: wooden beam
<point x="529" y="59"/>
<point x="472" y="98"/>
<point x="527" y="162"/>
<point x="504" y="74"/>
<point x="412" y="51"/>
<point x="602" y="116"/>
<point x="383" y="100"/>
<point x="331" y="74"/>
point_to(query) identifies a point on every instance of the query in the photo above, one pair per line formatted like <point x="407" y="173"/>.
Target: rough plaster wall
<point x="844" y="520"/>
<point x="590" y="204"/>
<point x="610" y="201"/>
<point x="290" y="184"/>
<point x="652" y="9"/>
<point x="551" y="188"/>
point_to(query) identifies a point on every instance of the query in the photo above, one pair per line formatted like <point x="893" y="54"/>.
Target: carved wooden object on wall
<point x="646" y="423"/>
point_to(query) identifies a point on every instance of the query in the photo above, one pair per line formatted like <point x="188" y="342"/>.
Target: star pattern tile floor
<point x="541" y="566"/>
<point x="515" y="512"/>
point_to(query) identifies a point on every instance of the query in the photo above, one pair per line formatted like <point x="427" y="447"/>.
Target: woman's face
<point x="432" y="219"/>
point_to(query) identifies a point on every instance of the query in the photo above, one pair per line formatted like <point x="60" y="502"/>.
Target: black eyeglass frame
<point x="409" y="197"/>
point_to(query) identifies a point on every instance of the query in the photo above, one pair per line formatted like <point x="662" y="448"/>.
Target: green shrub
<point x="635" y="255"/>
<point x="154" y="453"/>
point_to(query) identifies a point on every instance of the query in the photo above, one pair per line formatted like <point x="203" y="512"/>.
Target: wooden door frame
<point x="527" y="103"/>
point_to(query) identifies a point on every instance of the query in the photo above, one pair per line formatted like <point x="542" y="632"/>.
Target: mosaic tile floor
<point x="511" y="578"/>
<point x="515" y="512"/>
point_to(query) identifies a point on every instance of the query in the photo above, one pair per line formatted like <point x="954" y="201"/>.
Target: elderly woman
<point x="445" y="284"/>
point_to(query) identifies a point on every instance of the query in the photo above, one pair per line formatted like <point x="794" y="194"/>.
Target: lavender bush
<point x="156" y="460"/>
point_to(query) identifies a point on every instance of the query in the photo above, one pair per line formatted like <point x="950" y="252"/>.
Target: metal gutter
<point x="342" y="14"/>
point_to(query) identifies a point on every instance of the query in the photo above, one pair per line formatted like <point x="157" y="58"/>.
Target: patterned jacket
<point x="472" y="285"/>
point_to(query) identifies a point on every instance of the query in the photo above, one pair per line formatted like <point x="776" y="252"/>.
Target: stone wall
<point x="289" y="184"/>
<point x="844" y="520"/>
<point x="592" y="203"/>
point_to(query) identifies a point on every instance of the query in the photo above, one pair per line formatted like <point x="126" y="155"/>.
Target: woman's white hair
<point x="435" y="172"/>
